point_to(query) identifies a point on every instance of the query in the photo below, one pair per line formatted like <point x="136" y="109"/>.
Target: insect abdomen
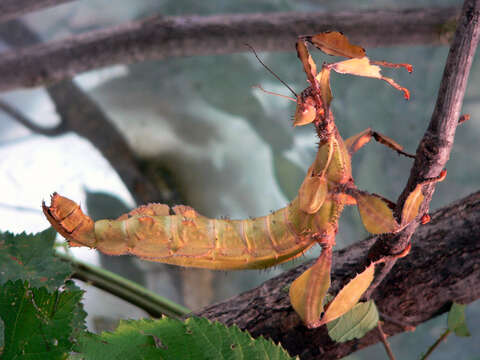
<point x="211" y="243"/>
<point x="188" y="238"/>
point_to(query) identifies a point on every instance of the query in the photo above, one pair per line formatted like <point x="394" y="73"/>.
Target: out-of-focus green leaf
<point x="31" y="257"/>
<point x="38" y="324"/>
<point x="456" y="320"/>
<point x="2" y="335"/>
<point x="196" y="338"/>
<point x="362" y="318"/>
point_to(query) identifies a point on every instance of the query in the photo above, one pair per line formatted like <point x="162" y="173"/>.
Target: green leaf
<point x="2" y="335"/>
<point x="79" y="314"/>
<point x="38" y="324"/>
<point x="362" y="318"/>
<point x="456" y="320"/>
<point x="196" y="338"/>
<point x="31" y="257"/>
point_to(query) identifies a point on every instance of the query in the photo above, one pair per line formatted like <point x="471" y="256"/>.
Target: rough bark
<point x="442" y="267"/>
<point x="434" y="149"/>
<point x="11" y="9"/>
<point x="160" y="37"/>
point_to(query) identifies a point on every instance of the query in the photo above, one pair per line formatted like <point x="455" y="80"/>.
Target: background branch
<point x="60" y="129"/>
<point x="154" y="304"/>
<point x="80" y="114"/>
<point x="11" y="9"/>
<point x="442" y="267"/>
<point x="161" y="37"/>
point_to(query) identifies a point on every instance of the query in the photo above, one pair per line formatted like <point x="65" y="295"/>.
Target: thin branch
<point x="161" y="37"/>
<point x="434" y="149"/>
<point x="435" y="344"/>
<point x="80" y="114"/>
<point x="153" y="304"/>
<point x="421" y="287"/>
<point x="11" y="9"/>
<point x="60" y="129"/>
<point x="383" y="339"/>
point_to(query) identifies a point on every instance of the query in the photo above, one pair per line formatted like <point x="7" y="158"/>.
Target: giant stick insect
<point x="182" y="236"/>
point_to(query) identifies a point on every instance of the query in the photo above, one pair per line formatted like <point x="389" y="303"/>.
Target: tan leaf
<point x="349" y="296"/>
<point x="377" y="216"/>
<point x="335" y="43"/>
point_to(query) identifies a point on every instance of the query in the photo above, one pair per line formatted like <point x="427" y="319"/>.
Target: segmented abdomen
<point x="190" y="239"/>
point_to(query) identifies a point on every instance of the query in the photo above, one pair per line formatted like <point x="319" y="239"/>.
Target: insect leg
<point x="356" y="142"/>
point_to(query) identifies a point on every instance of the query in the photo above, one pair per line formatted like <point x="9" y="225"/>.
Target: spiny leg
<point x="356" y="142"/>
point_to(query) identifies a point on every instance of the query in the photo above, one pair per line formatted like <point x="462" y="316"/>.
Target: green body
<point x="190" y="239"/>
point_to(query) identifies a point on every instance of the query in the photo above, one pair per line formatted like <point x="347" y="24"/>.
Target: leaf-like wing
<point x="348" y="297"/>
<point x="309" y="289"/>
<point x="335" y="43"/>
<point x="363" y="67"/>
<point x="362" y="318"/>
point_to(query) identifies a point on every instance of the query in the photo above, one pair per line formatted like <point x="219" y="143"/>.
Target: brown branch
<point x="384" y="340"/>
<point x="82" y="115"/>
<point x="434" y="149"/>
<point x="442" y="267"/>
<point x="60" y="129"/>
<point x="161" y="37"/>
<point x="11" y="9"/>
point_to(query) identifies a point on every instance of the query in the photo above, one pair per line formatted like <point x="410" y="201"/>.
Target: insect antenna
<point x="271" y="71"/>
<point x="273" y="93"/>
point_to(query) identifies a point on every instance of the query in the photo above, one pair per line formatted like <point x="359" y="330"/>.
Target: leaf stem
<point x="153" y="304"/>
<point x="383" y="339"/>
<point x="436" y="343"/>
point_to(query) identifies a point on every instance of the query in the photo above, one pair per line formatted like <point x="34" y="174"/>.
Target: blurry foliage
<point x="37" y="322"/>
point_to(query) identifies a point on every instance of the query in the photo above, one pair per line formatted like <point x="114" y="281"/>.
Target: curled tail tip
<point x="68" y="220"/>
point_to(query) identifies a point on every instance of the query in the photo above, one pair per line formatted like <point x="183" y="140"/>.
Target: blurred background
<point x="203" y="136"/>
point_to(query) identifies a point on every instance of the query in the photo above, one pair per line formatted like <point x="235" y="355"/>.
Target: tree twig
<point x="435" y="344"/>
<point x="11" y="9"/>
<point x="82" y="115"/>
<point x="383" y="339"/>
<point x="153" y="304"/>
<point x="434" y="149"/>
<point x="161" y="37"/>
<point x="60" y="129"/>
